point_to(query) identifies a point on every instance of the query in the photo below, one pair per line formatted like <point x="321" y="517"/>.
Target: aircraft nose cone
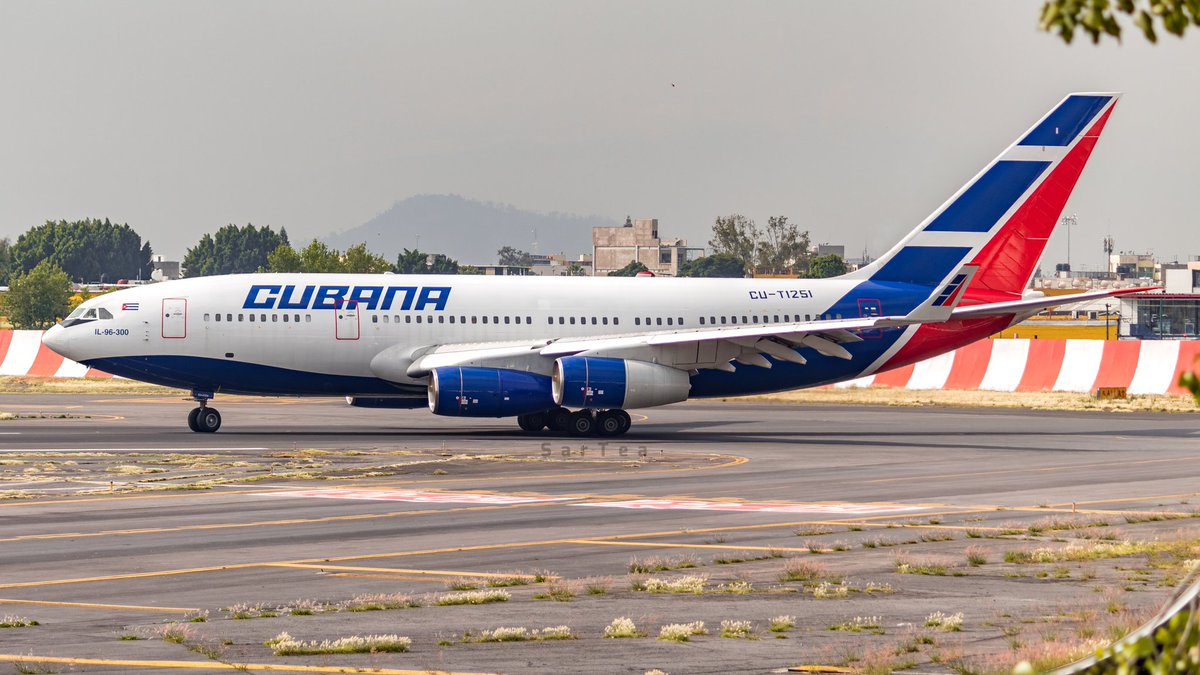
<point x="56" y="340"/>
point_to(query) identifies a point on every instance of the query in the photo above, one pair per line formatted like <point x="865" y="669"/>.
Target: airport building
<point x="616" y="247"/>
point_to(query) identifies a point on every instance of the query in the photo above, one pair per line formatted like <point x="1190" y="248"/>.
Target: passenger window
<point x="616" y="320"/>
<point x="374" y="319"/>
<point x="744" y="320"/>
<point x="206" y="317"/>
<point x="274" y="318"/>
<point x="722" y="321"/>
<point x="756" y="319"/>
<point x="474" y="319"/>
<point x="839" y="316"/>
<point x="461" y="319"/>
<point x="776" y="318"/>
<point x="572" y="321"/>
<point x="658" y="320"/>
<point x="296" y="318"/>
<point x="441" y="318"/>
<point x="262" y="318"/>
<point x="251" y="318"/>
<point x="386" y="318"/>
<point x="242" y="317"/>
<point x="637" y="320"/>
<point x="218" y="317"/>
<point x="528" y="320"/>
<point x="593" y="321"/>
<point x="408" y="318"/>
<point x="605" y="320"/>
<point x="681" y="321"/>
<point x="808" y="317"/>
<point x="550" y="320"/>
<point x="670" y="321"/>
<point x="506" y="320"/>
<point x="495" y="319"/>
<point x="561" y="321"/>
<point x="701" y="321"/>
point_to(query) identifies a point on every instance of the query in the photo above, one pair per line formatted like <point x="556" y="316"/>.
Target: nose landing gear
<point x="204" y="419"/>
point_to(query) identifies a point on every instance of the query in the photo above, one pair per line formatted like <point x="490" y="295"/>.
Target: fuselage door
<point x="346" y="312"/>
<point x="869" y="308"/>
<point x="174" y="314"/>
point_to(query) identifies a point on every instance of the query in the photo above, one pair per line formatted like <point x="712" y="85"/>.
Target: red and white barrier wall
<point x="22" y="353"/>
<point x="1144" y="367"/>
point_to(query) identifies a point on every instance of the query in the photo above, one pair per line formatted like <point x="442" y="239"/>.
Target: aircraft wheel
<point x="195" y="412"/>
<point x="532" y="421"/>
<point x="208" y="420"/>
<point x="626" y="421"/>
<point x="559" y="420"/>
<point x="582" y="423"/>
<point x="610" y="423"/>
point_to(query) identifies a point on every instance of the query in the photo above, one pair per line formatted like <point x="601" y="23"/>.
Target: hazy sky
<point x="854" y="119"/>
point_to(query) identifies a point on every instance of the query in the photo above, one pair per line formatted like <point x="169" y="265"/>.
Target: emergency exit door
<point x="346" y="327"/>
<point x="174" y="318"/>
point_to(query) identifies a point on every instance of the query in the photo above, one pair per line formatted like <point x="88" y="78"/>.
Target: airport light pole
<point x="1069" y="221"/>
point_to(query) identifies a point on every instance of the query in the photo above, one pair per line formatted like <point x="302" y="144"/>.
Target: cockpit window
<point x="90" y="314"/>
<point x="77" y="313"/>
<point x="102" y="313"/>
<point x="84" y="315"/>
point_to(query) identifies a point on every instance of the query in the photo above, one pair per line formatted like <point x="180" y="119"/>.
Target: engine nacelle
<point x="598" y="382"/>
<point x="487" y="392"/>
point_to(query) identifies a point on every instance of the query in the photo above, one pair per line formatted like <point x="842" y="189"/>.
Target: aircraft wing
<point x="707" y="347"/>
<point x="1033" y="305"/>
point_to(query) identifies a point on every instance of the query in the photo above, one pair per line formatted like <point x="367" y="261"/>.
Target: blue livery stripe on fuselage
<point x="989" y="198"/>
<point x="921" y="265"/>
<point x="1067" y="121"/>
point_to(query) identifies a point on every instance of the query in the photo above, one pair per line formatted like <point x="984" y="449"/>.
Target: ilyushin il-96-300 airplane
<point x="574" y="353"/>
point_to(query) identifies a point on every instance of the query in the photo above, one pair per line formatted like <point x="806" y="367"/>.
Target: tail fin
<point x="1000" y="221"/>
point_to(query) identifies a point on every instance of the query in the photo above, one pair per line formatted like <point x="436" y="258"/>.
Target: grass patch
<point x="948" y="623"/>
<point x="285" y="645"/>
<point x="558" y="590"/>
<point x="622" y="627"/>
<point x="737" y="630"/>
<point x="474" y="597"/>
<point x="14" y="621"/>
<point x="681" y="632"/>
<point x="830" y="591"/>
<point x="692" y="583"/>
<point x="737" y="587"/>
<point x="661" y="563"/>
<point x="521" y="634"/>
<point x="976" y="556"/>
<point x="906" y="565"/>
<point x="795" y="569"/>
<point x="859" y="624"/>
<point x="781" y="623"/>
<point x="375" y="602"/>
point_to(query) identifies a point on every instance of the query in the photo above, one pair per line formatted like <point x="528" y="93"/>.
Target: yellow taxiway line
<point x="97" y="605"/>
<point x="397" y="570"/>
<point x="218" y="665"/>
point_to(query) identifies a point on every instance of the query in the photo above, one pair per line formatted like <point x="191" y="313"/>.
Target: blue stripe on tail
<point x="979" y="207"/>
<point x="1067" y="121"/>
<point x="921" y="265"/>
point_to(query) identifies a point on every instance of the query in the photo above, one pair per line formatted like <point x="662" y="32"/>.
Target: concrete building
<point x="558" y="265"/>
<point x="164" y="270"/>
<point x="616" y="247"/>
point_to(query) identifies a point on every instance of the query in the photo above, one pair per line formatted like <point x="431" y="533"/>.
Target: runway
<point x="120" y="521"/>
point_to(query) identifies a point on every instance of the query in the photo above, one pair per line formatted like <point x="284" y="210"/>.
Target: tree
<point x="736" y="235"/>
<point x="717" y="265"/>
<point x="38" y="298"/>
<point x="319" y="257"/>
<point x="825" y="266"/>
<point x="783" y="248"/>
<point x="88" y="250"/>
<point x="233" y="250"/>
<point x="5" y="260"/>
<point x="512" y="257"/>
<point x="412" y="261"/>
<point x="630" y="270"/>
<point x="1098" y="18"/>
<point x="575" y="270"/>
<point x="284" y="259"/>
<point x="469" y="270"/>
<point x="359" y="260"/>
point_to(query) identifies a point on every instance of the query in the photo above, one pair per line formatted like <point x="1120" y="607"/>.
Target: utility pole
<point x="1069" y="221"/>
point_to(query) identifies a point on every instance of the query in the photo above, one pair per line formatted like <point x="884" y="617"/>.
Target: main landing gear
<point x="584" y="422"/>
<point x="204" y="419"/>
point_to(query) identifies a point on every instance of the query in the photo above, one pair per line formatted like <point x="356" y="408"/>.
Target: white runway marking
<point x="756" y="507"/>
<point x="414" y="496"/>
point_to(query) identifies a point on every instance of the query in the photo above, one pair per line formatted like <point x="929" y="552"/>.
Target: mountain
<point x="469" y="231"/>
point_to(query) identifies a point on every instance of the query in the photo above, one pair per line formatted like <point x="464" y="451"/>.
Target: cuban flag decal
<point x="129" y="307"/>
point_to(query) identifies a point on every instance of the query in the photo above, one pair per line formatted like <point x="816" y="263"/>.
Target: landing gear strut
<point x="204" y="419"/>
<point x="584" y="422"/>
